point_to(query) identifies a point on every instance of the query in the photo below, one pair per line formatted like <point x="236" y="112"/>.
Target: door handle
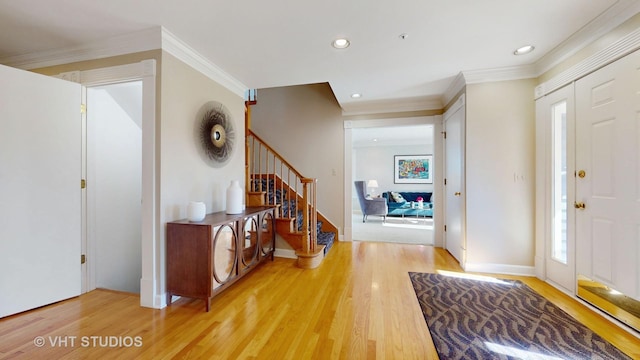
<point x="457" y="193"/>
<point x="579" y="205"/>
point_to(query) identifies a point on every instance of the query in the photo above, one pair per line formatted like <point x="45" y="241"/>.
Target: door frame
<point x="144" y="71"/>
<point x="349" y="125"/>
<point x="608" y="53"/>
<point x="91" y="140"/>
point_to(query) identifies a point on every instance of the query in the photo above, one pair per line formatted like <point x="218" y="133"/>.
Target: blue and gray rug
<point x="501" y="319"/>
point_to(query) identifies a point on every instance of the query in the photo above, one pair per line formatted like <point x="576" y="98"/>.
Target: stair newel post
<point x="247" y="159"/>
<point x="306" y="245"/>
<point x="314" y="216"/>
<point x="309" y="256"/>
<point x="260" y="166"/>
<point x="247" y="167"/>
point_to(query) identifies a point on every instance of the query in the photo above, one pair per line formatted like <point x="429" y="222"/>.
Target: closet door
<point x="608" y="181"/>
<point x="40" y="194"/>
<point x="454" y="195"/>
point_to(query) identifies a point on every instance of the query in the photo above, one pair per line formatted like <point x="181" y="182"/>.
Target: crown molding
<point x="176" y="47"/>
<point x="499" y="74"/>
<point x="617" y="14"/>
<point x="454" y="88"/>
<point x="624" y="46"/>
<point x="457" y="105"/>
<point x="607" y="21"/>
<point x="487" y="75"/>
<point x="391" y="106"/>
<point x="148" y="39"/>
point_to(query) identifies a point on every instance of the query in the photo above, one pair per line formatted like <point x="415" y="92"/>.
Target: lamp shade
<point x="372" y="183"/>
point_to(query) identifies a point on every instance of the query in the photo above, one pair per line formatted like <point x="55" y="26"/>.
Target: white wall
<point x="316" y="149"/>
<point x="114" y="177"/>
<point x="500" y="154"/>
<point x="184" y="175"/>
<point x="377" y="162"/>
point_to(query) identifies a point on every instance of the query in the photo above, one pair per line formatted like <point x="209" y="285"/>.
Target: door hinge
<point x="445" y="181"/>
<point x="444" y="133"/>
<point x="83" y="184"/>
<point x="445" y="228"/>
<point x="83" y="108"/>
<point x="83" y="259"/>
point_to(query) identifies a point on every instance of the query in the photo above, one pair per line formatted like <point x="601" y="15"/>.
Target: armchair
<point x="375" y="206"/>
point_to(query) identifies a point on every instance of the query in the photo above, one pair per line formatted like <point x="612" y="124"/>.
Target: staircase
<point x="272" y="181"/>
<point x="290" y="220"/>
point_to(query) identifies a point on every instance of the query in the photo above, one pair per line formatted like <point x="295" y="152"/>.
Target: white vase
<point x="234" y="198"/>
<point x="196" y="211"/>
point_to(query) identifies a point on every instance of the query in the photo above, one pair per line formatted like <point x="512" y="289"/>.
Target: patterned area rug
<point x="501" y="319"/>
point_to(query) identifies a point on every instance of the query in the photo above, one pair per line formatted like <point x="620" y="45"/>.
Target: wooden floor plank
<point x="359" y="304"/>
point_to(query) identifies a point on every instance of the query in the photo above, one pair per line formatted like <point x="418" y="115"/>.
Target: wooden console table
<point x="206" y="257"/>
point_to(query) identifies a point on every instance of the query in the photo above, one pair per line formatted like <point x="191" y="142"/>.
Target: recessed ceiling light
<point x="356" y="95"/>
<point x="524" y="50"/>
<point x="341" y="43"/>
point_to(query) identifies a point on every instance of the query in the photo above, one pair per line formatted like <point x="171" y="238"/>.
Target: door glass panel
<point x="559" y="186"/>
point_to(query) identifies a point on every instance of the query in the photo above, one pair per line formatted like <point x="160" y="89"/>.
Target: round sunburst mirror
<point x="215" y="133"/>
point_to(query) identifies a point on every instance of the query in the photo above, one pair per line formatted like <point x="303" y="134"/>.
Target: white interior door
<point x="40" y="194"/>
<point x="559" y="118"/>
<point x="608" y="136"/>
<point x="454" y="176"/>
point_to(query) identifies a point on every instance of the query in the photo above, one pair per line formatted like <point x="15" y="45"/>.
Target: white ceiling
<point x="265" y="44"/>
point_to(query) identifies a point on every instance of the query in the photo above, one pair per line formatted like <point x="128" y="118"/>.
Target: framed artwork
<point x="413" y="169"/>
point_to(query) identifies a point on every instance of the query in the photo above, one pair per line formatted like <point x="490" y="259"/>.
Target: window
<point x="559" y="184"/>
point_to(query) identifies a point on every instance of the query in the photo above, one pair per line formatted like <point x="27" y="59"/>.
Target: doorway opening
<point x="373" y="150"/>
<point x="114" y="191"/>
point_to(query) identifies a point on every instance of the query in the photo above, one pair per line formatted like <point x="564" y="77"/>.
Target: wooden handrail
<point x="269" y="148"/>
<point x="304" y="200"/>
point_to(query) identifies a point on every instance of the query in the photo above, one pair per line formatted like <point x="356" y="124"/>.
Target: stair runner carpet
<point x="288" y="208"/>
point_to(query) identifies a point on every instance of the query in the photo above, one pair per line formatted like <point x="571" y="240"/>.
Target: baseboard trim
<point x="540" y="269"/>
<point x="346" y="230"/>
<point x="286" y="253"/>
<point x="501" y="269"/>
<point x="147" y="298"/>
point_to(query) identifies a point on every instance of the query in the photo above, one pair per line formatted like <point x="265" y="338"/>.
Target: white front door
<point x="608" y="158"/>
<point x="454" y="175"/>
<point x="40" y="194"/>
<point x="559" y="118"/>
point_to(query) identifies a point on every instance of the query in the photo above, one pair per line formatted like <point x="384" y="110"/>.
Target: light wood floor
<point x="358" y="305"/>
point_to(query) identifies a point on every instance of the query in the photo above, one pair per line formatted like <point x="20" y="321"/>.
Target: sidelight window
<point x="559" y="184"/>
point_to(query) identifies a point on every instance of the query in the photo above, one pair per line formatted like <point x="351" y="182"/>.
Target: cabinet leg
<point x="169" y="297"/>
<point x="208" y="302"/>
